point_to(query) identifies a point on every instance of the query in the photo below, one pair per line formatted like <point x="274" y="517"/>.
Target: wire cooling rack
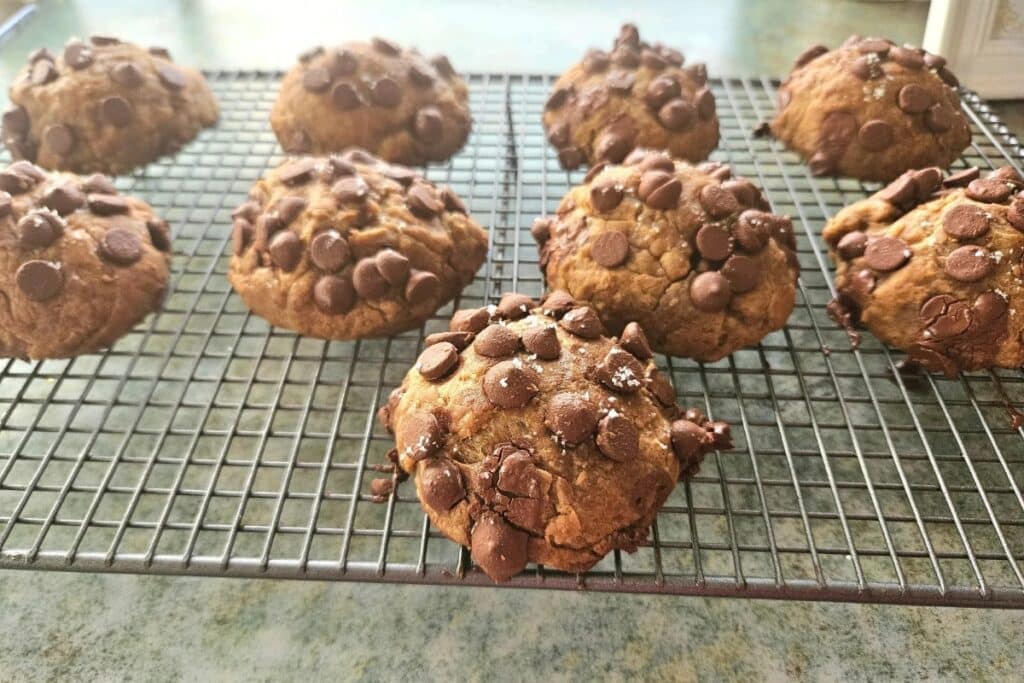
<point x="209" y="443"/>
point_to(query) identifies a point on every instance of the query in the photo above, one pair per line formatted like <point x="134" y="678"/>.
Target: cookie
<point x="871" y="109"/>
<point x="637" y="95"/>
<point x="395" y="103"/>
<point x="104" y="106"/>
<point x="349" y="246"/>
<point x="935" y="267"/>
<point x="690" y="253"/>
<point x="80" y="264"/>
<point x="535" y="438"/>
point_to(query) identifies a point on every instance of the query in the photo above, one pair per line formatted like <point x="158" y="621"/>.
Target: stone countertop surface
<point x="114" y="627"/>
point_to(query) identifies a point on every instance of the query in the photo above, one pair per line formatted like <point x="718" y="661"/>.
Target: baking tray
<point x="208" y="443"/>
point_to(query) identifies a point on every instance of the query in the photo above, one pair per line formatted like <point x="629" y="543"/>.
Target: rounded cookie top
<point x="535" y="438"/>
<point x="104" y="106"/>
<point x="871" y="109"/>
<point x="80" y="264"/>
<point x="935" y="267"/>
<point x="690" y="253"/>
<point x="348" y="246"/>
<point x="637" y="95"/>
<point x="391" y="101"/>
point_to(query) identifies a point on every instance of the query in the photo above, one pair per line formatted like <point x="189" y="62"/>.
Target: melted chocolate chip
<point x="571" y="418"/>
<point x="334" y="295"/>
<point x="618" y="438"/>
<point x="606" y="195"/>
<point x="121" y="247"/>
<point x="423" y="201"/>
<point x="717" y="202"/>
<point x="460" y="340"/>
<point x="659" y="189"/>
<point x="965" y="222"/>
<point x="510" y="384"/>
<point x="688" y="440"/>
<point x="742" y="272"/>
<point x="852" y="245"/>
<point x="621" y="371"/>
<point x="393" y="266"/>
<point x="63" y="199"/>
<point x="497" y="547"/>
<point x="610" y="249"/>
<point x="885" y="254"/>
<point x="368" y="280"/>
<point x="107" y="204"/>
<point x="914" y="99"/>
<point x="437" y="361"/>
<point x="421" y="287"/>
<point x="39" y="229"/>
<point x="421" y="435"/>
<point x="714" y="242"/>
<point x="440" y="484"/>
<point x="39" y="280"/>
<point x="969" y="263"/>
<point x="990" y="190"/>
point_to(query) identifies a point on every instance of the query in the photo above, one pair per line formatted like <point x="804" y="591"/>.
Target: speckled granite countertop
<point x="96" y="627"/>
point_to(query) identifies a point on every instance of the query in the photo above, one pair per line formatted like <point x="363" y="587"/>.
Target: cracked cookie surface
<point x="690" y="253"/>
<point x="80" y="264"/>
<point x="348" y="246"/>
<point x="394" y="102"/>
<point x="105" y="106"/>
<point x="535" y="438"/>
<point x="637" y="95"/>
<point x="871" y="109"/>
<point x="935" y="267"/>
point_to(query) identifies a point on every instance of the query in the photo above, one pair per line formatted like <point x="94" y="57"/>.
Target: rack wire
<point x="206" y="442"/>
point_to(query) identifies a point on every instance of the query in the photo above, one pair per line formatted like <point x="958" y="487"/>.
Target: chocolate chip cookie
<point x="691" y="253"/>
<point x="637" y="95"/>
<point x="871" y="109"/>
<point x="349" y="246"/>
<point x="395" y="103"/>
<point x="935" y="267"/>
<point x="104" y="106"/>
<point x="535" y="438"/>
<point x="80" y="264"/>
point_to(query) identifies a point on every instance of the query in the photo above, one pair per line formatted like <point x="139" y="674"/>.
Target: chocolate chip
<point x="751" y="230"/>
<point x="496" y="341"/>
<point x="334" y="295"/>
<point x="874" y="45"/>
<point x="954" y="321"/>
<point x="885" y="254"/>
<point x="438" y="360"/>
<point x="241" y="235"/>
<point x="498" y="548"/>
<point x="969" y="263"/>
<point x="297" y="172"/>
<point x="1015" y="215"/>
<point x="39" y="280"/>
<point x="659" y="190"/>
<point x="710" y="292"/>
<point x="698" y="73"/>
<point x="43" y="72"/>
<point x="866" y="67"/>
<point x="948" y="77"/>
<point x="610" y="249"/>
<point x="652" y="60"/>
<point x="77" y="54"/>
<point x="510" y="384"/>
<point x="161" y="52"/>
<point x="621" y="371"/>
<point x="345" y="96"/>
<point x="905" y="57"/>
<point x="810" y="54"/>
<point x="559" y="97"/>
<point x="875" y="135"/>
<point x="393" y="266"/>
<point x="116" y="111"/>
<point x="39" y="229"/>
<point x="714" y="241"/>
<point x="613" y="145"/>
<point x="1007" y="174"/>
<point x="570" y="157"/>
<point x="98" y="183"/>
<point x="423" y="201"/>
<point x="421" y="287"/>
<point x="902" y="192"/>
<point x="542" y="342"/>
<point x="385" y="47"/>
<point x="368" y="281"/>
<point x="400" y="174"/>
<point x="618" y="438"/>
<point x="852" y="245"/>
<point x="421" y="435"/>
<point x="514" y="306"/>
<point x="717" y="202"/>
<point x="329" y="251"/>
<point x="582" y="322"/>
<point x="938" y="118"/>
<point x="927" y="181"/>
<point x="745" y="192"/>
<point x="677" y="115"/>
<point x="460" y="340"/>
<point x="914" y="99"/>
<point x="661" y="388"/>
<point x="965" y="222"/>
<point x="60" y="138"/>
<point x="635" y="341"/>
<point x="16" y="122"/>
<point x="620" y="82"/>
<point x="427" y="125"/>
<point x="171" y="77"/>
<point x="989" y="307"/>
<point x="103" y="41"/>
<point x="126" y="74"/>
<point x="317" y="79"/>
<point x="934" y="307"/>
<point x="688" y="439"/>
<point x="742" y="272"/>
<point x="626" y="56"/>
<point x="571" y="418"/>
<point x="5" y="204"/>
<point x="420" y="77"/>
<point x="557" y="303"/>
<point x="443" y="66"/>
<point x="595" y="61"/>
<point x="286" y="250"/>
<point x="471" y="320"/>
<point x="606" y="195"/>
<point x="440" y="484"/>
<point x="661" y="90"/>
<point x="451" y="201"/>
<point x="350" y="190"/>
<point x="991" y="190"/>
<point x="159" y="234"/>
<point x="63" y="199"/>
<point x="652" y="161"/>
<point x="385" y="92"/>
<point x="121" y="247"/>
<point x="107" y="204"/>
<point x="558" y="134"/>
<point x="40" y="53"/>
<point x="705" y="101"/>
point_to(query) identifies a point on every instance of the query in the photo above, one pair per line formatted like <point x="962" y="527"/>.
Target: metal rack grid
<point x="208" y="443"/>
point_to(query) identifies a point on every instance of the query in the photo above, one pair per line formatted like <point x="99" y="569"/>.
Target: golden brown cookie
<point x="935" y="267"/>
<point x="348" y="246"/>
<point x="535" y="438"/>
<point x="104" y="106"/>
<point x="638" y="95"/>
<point x="871" y="109"/>
<point x="80" y="264"/>
<point x="395" y="103"/>
<point x="690" y="253"/>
